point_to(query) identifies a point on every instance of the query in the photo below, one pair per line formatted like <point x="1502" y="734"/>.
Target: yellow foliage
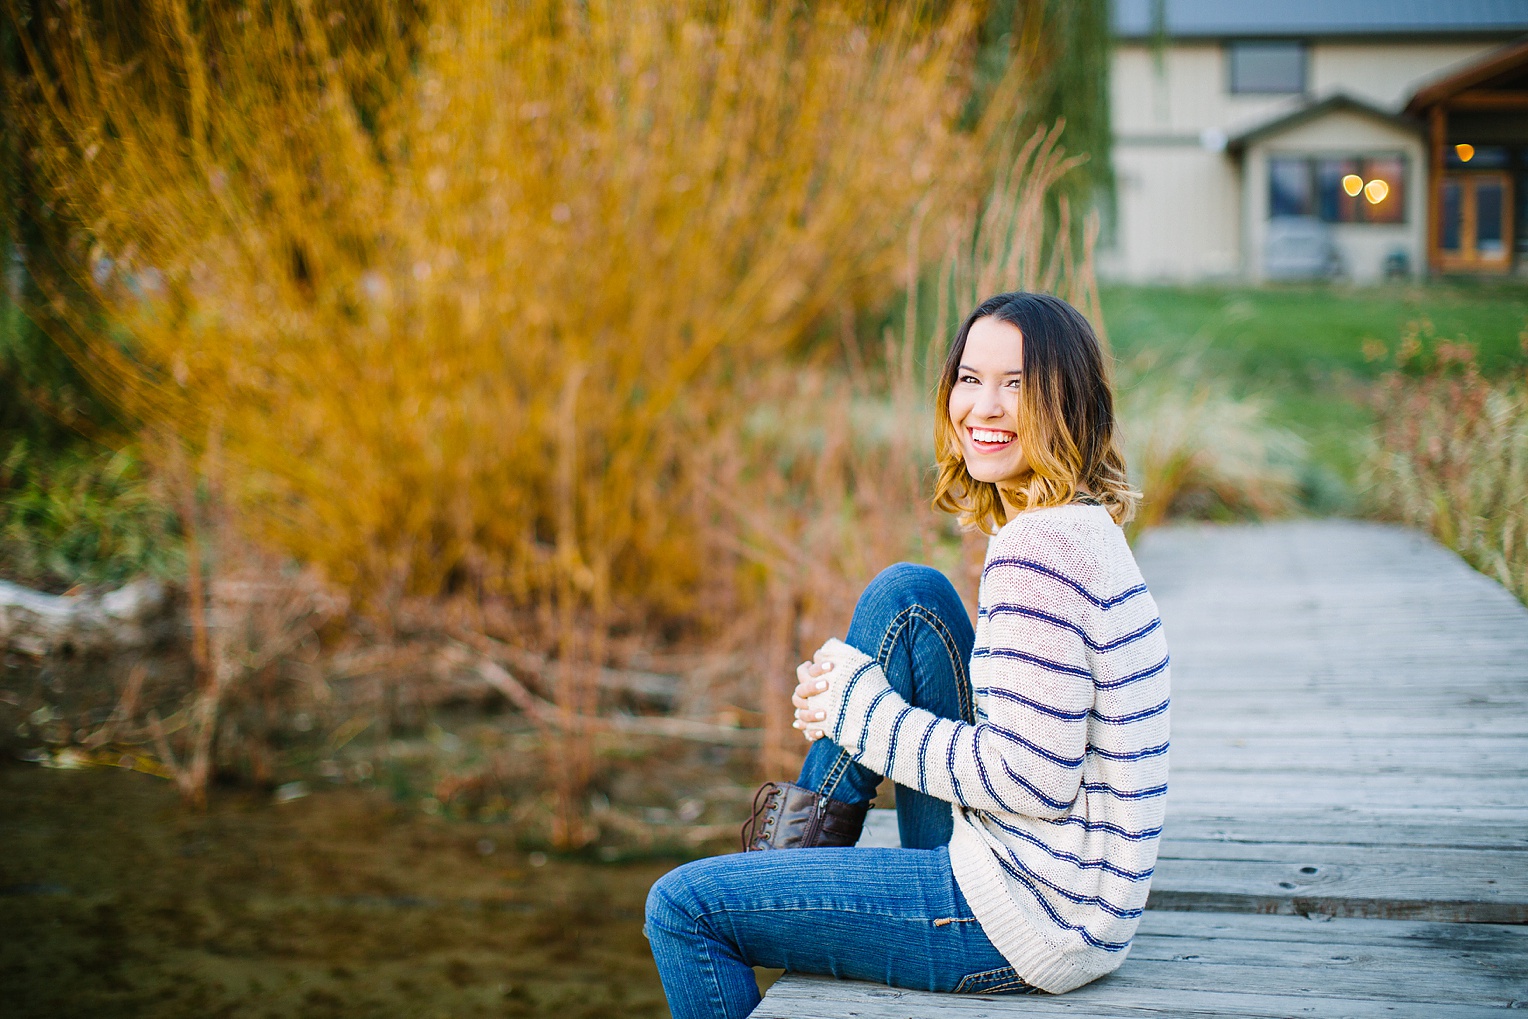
<point x="459" y="296"/>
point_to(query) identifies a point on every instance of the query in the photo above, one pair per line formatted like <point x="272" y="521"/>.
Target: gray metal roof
<point x="1243" y="19"/>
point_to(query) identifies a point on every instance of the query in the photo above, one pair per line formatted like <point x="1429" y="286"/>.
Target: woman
<point x="1030" y="757"/>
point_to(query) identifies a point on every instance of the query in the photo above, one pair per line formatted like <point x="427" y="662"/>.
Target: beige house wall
<point x="1387" y="74"/>
<point x="1185" y="206"/>
<point x="1179" y="215"/>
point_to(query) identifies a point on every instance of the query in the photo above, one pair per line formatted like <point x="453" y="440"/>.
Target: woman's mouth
<point x="990" y="440"/>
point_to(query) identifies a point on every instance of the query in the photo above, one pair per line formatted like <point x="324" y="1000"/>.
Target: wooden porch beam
<point x="1438" y="135"/>
<point x="1482" y="99"/>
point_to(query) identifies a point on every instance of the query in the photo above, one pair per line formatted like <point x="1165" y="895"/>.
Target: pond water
<point x="117" y="901"/>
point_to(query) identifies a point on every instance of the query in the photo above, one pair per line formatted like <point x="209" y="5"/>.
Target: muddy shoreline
<point x="117" y="901"/>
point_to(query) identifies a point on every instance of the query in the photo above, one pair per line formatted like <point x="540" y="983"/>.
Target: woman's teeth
<point x="990" y="437"/>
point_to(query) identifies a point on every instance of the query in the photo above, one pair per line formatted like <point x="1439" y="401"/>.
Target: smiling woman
<point x="1031" y="415"/>
<point x="1028" y="754"/>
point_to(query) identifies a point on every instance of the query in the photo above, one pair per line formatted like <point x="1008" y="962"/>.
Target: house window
<point x="1338" y="189"/>
<point x="1262" y="68"/>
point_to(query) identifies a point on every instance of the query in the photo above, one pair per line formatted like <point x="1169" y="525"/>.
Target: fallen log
<point x="38" y="624"/>
<point x="649" y="689"/>
<point x="544" y="712"/>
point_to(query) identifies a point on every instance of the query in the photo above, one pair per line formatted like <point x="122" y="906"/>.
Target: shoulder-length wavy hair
<point x="1066" y="424"/>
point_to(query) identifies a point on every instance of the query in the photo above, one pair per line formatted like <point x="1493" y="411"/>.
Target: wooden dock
<point x="1347" y="826"/>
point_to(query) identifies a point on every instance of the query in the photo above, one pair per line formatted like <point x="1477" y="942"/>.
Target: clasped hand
<point x="811" y="679"/>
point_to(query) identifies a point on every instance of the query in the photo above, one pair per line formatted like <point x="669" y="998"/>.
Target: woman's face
<point x="984" y="402"/>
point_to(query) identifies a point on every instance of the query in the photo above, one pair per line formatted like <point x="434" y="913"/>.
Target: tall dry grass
<point x="1197" y="448"/>
<point x="458" y="296"/>
<point x="1451" y="455"/>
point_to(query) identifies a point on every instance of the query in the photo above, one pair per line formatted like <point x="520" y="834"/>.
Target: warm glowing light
<point x="1464" y="152"/>
<point x="1375" y="191"/>
<point x="1352" y="184"/>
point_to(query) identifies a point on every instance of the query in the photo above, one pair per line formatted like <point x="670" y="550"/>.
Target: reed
<point x="1196" y="448"/>
<point x="1451" y="454"/>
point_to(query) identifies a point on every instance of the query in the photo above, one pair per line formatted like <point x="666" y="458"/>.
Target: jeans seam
<point x="975" y="978"/>
<point x="708" y="964"/>
<point x="963" y="688"/>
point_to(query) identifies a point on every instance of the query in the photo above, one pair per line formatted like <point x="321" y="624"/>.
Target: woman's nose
<point x="989" y="403"/>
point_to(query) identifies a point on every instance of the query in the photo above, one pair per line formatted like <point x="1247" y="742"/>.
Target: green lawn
<point x="1302" y="348"/>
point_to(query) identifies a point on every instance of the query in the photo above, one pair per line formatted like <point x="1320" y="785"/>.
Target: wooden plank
<point x="1293" y="878"/>
<point x="1238" y="965"/>
<point x="1482" y="886"/>
<point x="1329" y="828"/>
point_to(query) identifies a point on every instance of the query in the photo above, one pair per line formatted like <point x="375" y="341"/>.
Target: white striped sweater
<point x="1058" y="789"/>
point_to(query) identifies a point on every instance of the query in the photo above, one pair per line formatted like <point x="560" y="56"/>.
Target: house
<point x="1360" y="139"/>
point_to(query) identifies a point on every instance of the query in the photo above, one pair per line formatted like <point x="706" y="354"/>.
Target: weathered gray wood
<point x="1350" y="739"/>
<point x="1484" y="884"/>
<point x="1238" y="965"/>
<point x="1274" y="827"/>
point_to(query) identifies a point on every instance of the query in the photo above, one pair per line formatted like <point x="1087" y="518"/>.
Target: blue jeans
<point x="894" y="916"/>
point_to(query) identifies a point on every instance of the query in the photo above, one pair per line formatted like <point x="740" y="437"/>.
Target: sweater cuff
<point x="852" y="687"/>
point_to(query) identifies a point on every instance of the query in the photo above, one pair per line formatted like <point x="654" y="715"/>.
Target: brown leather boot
<point x="789" y="816"/>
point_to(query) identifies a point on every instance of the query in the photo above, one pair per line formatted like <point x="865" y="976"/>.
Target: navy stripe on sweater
<point x="1134" y="716"/>
<point x="1106" y="826"/>
<point x="1045" y="709"/>
<point x="1008" y="609"/>
<point x="1090" y="938"/>
<point x="1126" y="794"/>
<point x="928" y="734"/>
<point x="1123" y="912"/>
<point x="1034" y="748"/>
<point x="1025" y="656"/>
<point x="981" y="771"/>
<point x="1041" y="568"/>
<point x="949" y="763"/>
<point x="1115" y="684"/>
<point x="896" y="731"/>
<point x="1139" y="755"/>
<point x="838" y="726"/>
<point x="1034" y="790"/>
<point x="1072" y="858"/>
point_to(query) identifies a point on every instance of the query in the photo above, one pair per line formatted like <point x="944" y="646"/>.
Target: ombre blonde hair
<point x="1065" y="421"/>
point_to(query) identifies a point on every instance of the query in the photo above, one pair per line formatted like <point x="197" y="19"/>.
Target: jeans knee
<point x="906" y="581"/>
<point x="903" y="584"/>
<point x="671" y="902"/>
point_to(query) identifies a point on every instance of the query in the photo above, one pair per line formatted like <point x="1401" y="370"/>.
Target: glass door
<point x="1475" y="222"/>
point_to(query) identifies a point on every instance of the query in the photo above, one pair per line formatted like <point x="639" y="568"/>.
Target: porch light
<point x="1352" y="184"/>
<point x="1375" y="191"/>
<point x="1464" y="152"/>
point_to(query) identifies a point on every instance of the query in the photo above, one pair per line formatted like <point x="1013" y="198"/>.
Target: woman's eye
<point x="1014" y="383"/>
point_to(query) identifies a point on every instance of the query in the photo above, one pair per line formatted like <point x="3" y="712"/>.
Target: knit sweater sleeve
<point x="1024" y="754"/>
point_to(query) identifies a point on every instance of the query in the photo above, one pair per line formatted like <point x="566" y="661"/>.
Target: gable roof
<point x="1240" y="19"/>
<point x="1337" y="103"/>
<point x="1507" y="67"/>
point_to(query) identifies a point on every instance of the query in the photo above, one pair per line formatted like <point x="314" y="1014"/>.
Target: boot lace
<point x="758" y="828"/>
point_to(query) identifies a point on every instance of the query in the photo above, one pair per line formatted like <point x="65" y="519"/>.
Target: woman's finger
<point x="811" y="687"/>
